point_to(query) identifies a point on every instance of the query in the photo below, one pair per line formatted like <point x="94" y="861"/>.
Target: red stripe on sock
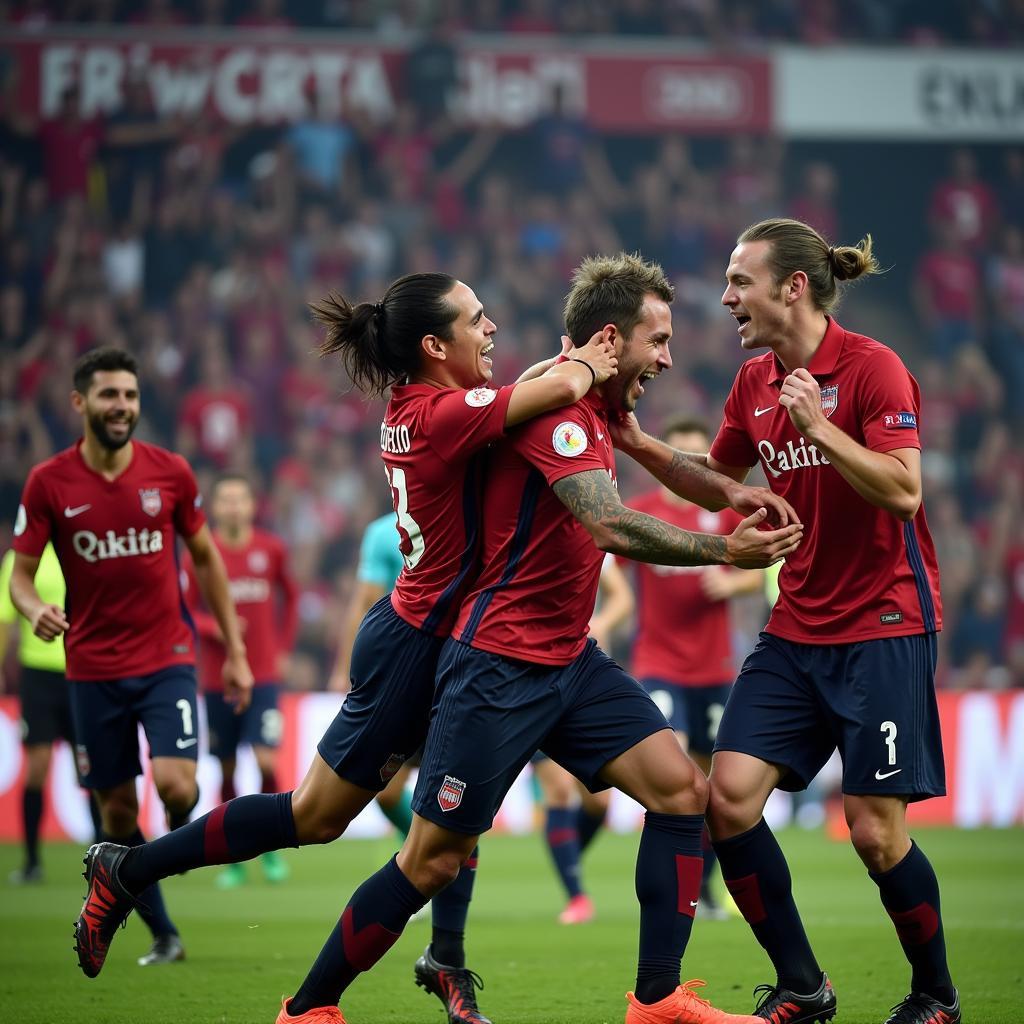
<point x="916" y="927"/>
<point x="470" y="862"/>
<point x="363" y="948"/>
<point x="688" y="875"/>
<point x="746" y="891"/>
<point x="560" y="836"/>
<point x="215" y="842"/>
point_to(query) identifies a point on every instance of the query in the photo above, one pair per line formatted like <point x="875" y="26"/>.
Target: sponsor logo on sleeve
<point x="20" y="521"/>
<point x="449" y="796"/>
<point x="149" y="497"/>
<point x="480" y="397"/>
<point x="900" y="420"/>
<point x="569" y="439"/>
<point x="829" y="399"/>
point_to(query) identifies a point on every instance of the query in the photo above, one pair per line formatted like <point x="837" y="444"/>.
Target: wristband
<point x="593" y="372"/>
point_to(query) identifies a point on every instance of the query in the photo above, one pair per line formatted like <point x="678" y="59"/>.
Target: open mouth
<point x="646" y="378"/>
<point x="485" y="353"/>
<point x="741" y="321"/>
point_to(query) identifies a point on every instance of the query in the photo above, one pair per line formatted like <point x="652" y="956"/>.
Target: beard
<point x="112" y="444"/>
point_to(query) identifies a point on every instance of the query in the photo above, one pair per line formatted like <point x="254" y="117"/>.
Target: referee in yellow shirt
<point x="45" y="709"/>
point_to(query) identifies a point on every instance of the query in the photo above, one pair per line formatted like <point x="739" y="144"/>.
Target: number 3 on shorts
<point x="408" y="525"/>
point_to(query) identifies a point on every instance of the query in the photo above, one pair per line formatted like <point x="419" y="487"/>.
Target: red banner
<point x="284" y="78"/>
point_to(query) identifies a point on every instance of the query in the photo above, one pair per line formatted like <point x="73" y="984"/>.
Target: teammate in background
<point x="682" y="651"/>
<point x="380" y="562"/>
<point x="112" y="506"/>
<point x="45" y="705"/>
<point x="549" y="495"/>
<point x="847" y="659"/>
<point x="266" y="601"/>
<point x="428" y="341"/>
<point x="572" y="814"/>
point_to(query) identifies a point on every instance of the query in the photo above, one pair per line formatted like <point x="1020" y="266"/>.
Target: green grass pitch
<point x="249" y="946"/>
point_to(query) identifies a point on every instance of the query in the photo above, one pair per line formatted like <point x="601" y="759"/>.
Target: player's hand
<point x="238" y="681"/>
<point x="627" y="435"/>
<point x="599" y="352"/>
<point x="801" y="398"/>
<point x="747" y="500"/>
<point x="50" y="622"/>
<point x="749" y="547"/>
<point x="716" y="583"/>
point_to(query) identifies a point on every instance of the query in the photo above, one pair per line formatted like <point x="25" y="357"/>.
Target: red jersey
<point x="266" y="600"/>
<point x="540" y="568"/>
<point x="429" y="441"/>
<point x="860" y="573"/>
<point x="116" y="546"/>
<point x="682" y="636"/>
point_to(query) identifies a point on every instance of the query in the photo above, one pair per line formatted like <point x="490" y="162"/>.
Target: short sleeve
<point x="188" y="513"/>
<point x="380" y="560"/>
<point x="890" y="403"/>
<point x="8" y="613"/>
<point x="560" y="444"/>
<point x="463" y="422"/>
<point x="733" y="446"/>
<point x="33" y="525"/>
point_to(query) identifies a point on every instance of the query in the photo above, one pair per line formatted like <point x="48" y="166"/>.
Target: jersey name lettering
<point x="249" y="590"/>
<point x="96" y="549"/>
<point x="396" y="439"/>
<point x="792" y="456"/>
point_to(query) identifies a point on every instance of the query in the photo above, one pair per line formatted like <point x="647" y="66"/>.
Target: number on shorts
<point x="396" y="478"/>
<point x="889" y="728"/>
<point x="186" y="716"/>
<point x="715" y="712"/>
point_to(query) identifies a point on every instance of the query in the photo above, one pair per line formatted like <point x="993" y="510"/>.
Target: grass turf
<point x="249" y="946"/>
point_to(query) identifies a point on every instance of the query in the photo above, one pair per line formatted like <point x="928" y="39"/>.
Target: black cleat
<point x="454" y="986"/>
<point x="31" y="874"/>
<point x="166" y="949"/>
<point x="106" y="908"/>
<point x="918" y="1008"/>
<point x="781" y="1006"/>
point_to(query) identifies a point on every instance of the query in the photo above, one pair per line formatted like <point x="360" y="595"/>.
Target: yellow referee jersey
<point x="33" y="652"/>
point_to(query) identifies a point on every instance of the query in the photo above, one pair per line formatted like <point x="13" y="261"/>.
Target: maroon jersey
<point x="266" y="600"/>
<point x="540" y="568"/>
<point x="116" y="546"/>
<point x="860" y="573"/>
<point x="429" y="441"/>
<point x="682" y="636"/>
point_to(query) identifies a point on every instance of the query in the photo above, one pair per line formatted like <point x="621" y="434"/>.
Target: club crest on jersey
<point x="449" y="796"/>
<point x="829" y="399"/>
<point x="480" y="397"/>
<point x="82" y="762"/>
<point x="151" y="501"/>
<point x="258" y="561"/>
<point x="569" y="439"/>
<point x="389" y="769"/>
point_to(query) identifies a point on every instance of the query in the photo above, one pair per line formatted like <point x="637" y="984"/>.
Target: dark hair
<point x="96" y="359"/>
<point x="797" y="246"/>
<point x="611" y="290"/>
<point x="379" y="342"/>
<point x="685" y="425"/>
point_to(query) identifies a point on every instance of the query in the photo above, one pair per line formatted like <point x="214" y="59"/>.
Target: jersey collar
<point x="823" y="362"/>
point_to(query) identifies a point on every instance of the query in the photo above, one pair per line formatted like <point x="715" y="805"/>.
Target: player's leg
<point x="37" y="766"/>
<point x="396" y="802"/>
<point x="262" y="728"/>
<point x="593" y="811"/>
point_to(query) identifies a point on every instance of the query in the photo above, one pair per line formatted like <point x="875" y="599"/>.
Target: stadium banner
<point x="983" y="735"/>
<point x="285" y="77"/>
<point x="911" y="95"/>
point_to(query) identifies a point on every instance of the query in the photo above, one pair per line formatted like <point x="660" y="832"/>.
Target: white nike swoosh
<point x="761" y="412"/>
<point x="880" y="776"/>
<point x="182" y="744"/>
<point x="600" y="437"/>
<point x="694" y="903"/>
<point x="70" y="512"/>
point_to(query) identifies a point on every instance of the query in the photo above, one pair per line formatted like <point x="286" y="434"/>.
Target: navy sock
<point x="31" y="815"/>
<point x="564" y="844"/>
<point x="448" y="912"/>
<point x="227" y="787"/>
<point x="710" y="858"/>
<point x="668" y="872"/>
<point x="370" y="925"/>
<point x="151" y="906"/>
<point x="910" y="895"/>
<point x="757" y="876"/>
<point x="587" y="826"/>
<point x="94" y="814"/>
<point x="232" y="832"/>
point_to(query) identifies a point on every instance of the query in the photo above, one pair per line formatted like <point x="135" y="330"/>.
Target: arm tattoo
<point x="591" y="497"/>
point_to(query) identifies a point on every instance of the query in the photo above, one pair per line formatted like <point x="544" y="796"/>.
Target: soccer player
<point x="266" y="600"/>
<point x="519" y="673"/>
<point x="429" y="342"/>
<point x="45" y="704"/>
<point x="112" y="507"/>
<point x="682" y="651"/>
<point x="847" y="659"/>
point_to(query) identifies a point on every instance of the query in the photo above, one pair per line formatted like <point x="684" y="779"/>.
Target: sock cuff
<point x="882" y="878"/>
<point x="739" y="841"/>
<point x="284" y="802"/>
<point x="406" y="892"/>
<point x="675" y="824"/>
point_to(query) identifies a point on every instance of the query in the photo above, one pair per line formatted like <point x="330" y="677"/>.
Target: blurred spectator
<point x="947" y="292"/>
<point x="964" y="203"/>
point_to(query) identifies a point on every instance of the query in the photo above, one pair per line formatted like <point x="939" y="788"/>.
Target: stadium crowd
<point x="198" y="246"/>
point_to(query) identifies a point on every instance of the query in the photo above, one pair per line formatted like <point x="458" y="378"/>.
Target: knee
<point x="120" y="818"/>
<point x="877" y="843"/>
<point x="316" y="823"/>
<point x="178" y="793"/>
<point x="730" y="812"/>
<point x="684" y="791"/>
<point x="432" y="873"/>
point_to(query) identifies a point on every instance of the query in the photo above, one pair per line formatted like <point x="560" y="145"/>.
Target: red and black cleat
<point x="918" y="1008"/>
<point x="106" y="908"/>
<point x="781" y="1006"/>
<point x="454" y="986"/>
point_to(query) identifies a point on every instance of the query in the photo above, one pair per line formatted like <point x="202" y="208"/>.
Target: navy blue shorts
<point x="385" y="716"/>
<point x="106" y="718"/>
<point x="793" y="704"/>
<point x="492" y="713"/>
<point x="45" y="707"/>
<point x="259" y="725"/>
<point x="693" y="710"/>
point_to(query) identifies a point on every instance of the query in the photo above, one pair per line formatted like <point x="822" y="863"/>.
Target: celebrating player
<point x="266" y="601"/>
<point x="847" y="659"/>
<point x="112" y="508"/>
<point x="429" y="341"/>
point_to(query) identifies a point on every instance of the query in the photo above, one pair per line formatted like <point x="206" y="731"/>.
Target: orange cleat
<point x="683" y="1006"/>
<point x="318" y="1015"/>
<point x="579" y="910"/>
